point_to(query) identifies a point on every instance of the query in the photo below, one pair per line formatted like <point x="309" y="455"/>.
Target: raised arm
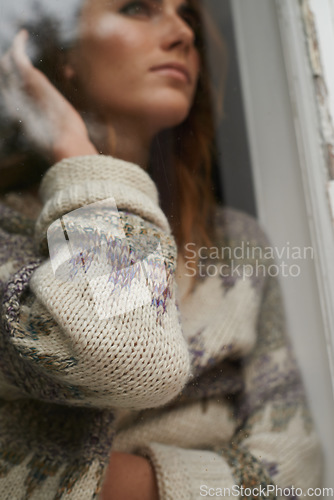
<point x="59" y="344"/>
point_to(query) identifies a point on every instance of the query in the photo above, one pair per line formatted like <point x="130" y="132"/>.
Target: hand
<point x="129" y="477"/>
<point x="48" y="119"/>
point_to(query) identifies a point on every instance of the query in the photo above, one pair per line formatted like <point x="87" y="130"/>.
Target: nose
<point x="177" y="32"/>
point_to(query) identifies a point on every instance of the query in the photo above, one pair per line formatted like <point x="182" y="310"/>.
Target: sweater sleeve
<point x="94" y="322"/>
<point x="274" y="445"/>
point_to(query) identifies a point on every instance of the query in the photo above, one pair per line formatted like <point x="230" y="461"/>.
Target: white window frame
<point x="290" y="178"/>
<point x="313" y="162"/>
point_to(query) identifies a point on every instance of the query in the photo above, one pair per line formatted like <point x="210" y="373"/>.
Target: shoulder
<point x="234" y="226"/>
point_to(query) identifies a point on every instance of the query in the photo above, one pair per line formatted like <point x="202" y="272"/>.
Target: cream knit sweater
<point x="103" y="350"/>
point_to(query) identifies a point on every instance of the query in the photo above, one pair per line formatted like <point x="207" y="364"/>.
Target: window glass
<point x="145" y="349"/>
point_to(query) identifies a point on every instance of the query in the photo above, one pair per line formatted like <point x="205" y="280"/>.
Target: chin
<point x="169" y="117"/>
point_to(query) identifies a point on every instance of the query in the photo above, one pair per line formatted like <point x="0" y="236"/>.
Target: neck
<point x="124" y="139"/>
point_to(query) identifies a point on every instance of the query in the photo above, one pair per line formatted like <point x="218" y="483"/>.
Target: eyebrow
<point x="184" y="6"/>
<point x="181" y="6"/>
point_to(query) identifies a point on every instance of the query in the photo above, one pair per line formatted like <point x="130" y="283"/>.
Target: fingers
<point x="18" y="51"/>
<point x="28" y="97"/>
<point x="9" y="76"/>
<point x="15" y="63"/>
<point x="21" y="88"/>
<point x="20" y="62"/>
<point x="17" y="73"/>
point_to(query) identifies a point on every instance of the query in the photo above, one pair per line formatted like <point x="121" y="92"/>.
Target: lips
<point x="176" y="68"/>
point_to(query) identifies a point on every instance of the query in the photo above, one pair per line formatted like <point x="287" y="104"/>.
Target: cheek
<point x="110" y="71"/>
<point x="114" y="44"/>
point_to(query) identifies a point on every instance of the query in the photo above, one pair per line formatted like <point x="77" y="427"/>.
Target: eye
<point x="136" y="8"/>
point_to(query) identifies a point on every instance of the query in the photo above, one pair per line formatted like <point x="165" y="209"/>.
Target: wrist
<point x="129" y="477"/>
<point x="79" y="147"/>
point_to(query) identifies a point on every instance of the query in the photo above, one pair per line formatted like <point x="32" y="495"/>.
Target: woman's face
<point x="119" y="58"/>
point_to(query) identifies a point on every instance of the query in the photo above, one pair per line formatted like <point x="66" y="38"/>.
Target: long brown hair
<point x="186" y="153"/>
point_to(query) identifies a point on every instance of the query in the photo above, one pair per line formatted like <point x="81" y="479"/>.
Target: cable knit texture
<point x="102" y="350"/>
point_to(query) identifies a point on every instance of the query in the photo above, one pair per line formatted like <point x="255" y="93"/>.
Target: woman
<point x="129" y="369"/>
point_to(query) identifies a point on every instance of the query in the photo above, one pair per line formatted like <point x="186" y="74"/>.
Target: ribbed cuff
<point x="184" y="474"/>
<point x="75" y="182"/>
